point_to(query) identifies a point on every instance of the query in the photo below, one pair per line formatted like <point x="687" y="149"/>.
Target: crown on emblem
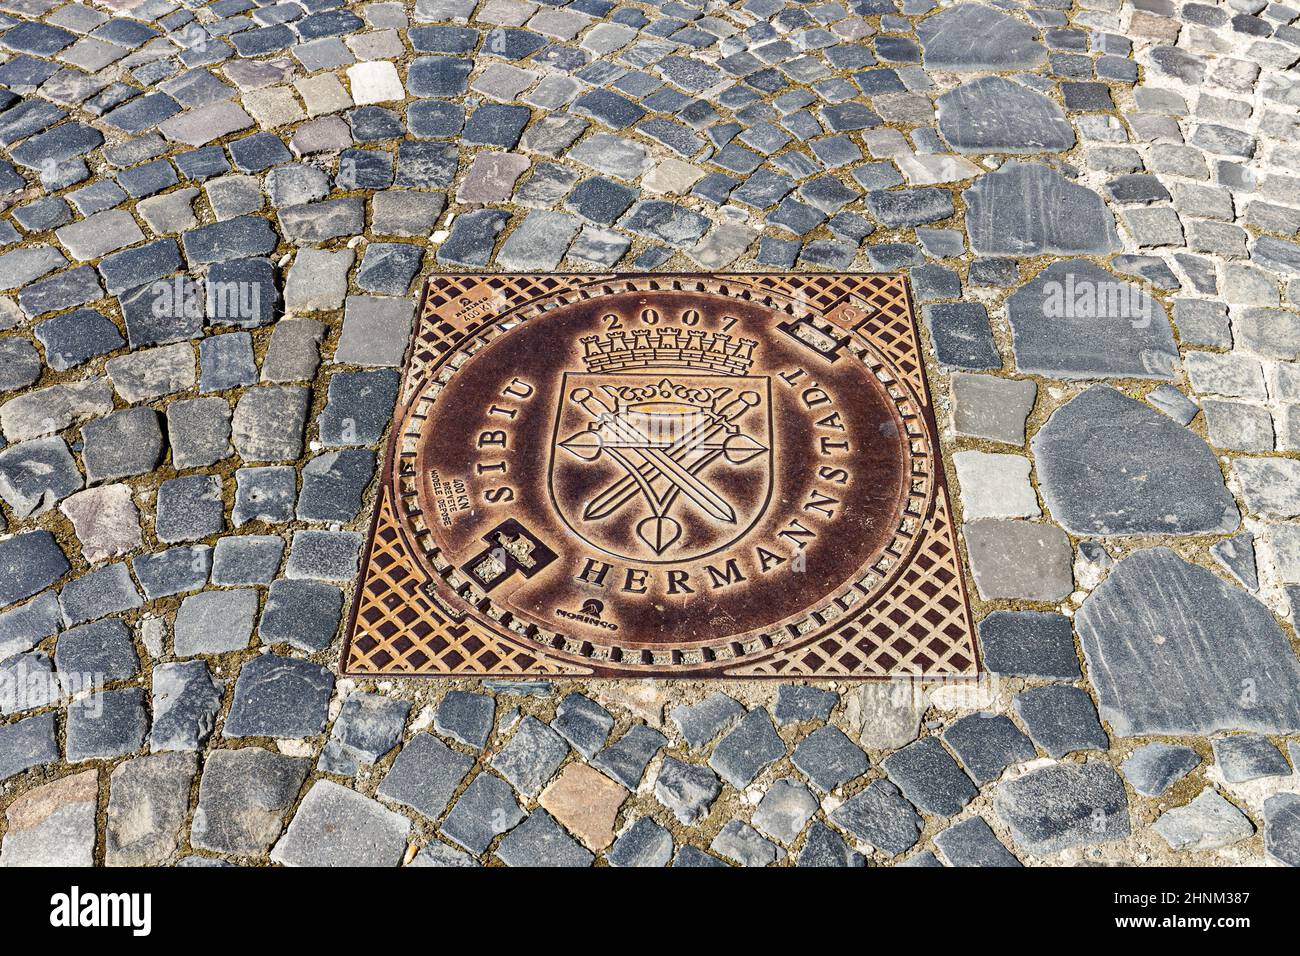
<point x="666" y="391"/>
<point x="668" y="348"/>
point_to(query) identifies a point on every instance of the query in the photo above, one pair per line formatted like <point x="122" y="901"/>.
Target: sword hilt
<point x="588" y="400"/>
<point x="738" y="406"/>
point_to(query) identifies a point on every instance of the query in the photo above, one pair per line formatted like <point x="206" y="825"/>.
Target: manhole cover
<point x="673" y="475"/>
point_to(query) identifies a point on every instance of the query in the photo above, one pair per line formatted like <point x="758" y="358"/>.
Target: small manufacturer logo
<point x="590" y="613"/>
<point x="74" y="909"/>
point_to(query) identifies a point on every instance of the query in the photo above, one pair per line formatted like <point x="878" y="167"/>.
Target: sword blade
<point x="624" y="489"/>
<point x="640" y="482"/>
<point x="700" y="465"/>
<point x="692" y="487"/>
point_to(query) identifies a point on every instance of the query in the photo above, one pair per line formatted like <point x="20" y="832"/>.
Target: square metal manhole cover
<point x="663" y="476"/>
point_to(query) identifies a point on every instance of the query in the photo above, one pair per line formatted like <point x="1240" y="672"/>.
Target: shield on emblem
<point x="661" y="467"/>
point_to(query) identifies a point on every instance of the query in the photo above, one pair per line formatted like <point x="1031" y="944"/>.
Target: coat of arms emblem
<point x="663" y="447"/>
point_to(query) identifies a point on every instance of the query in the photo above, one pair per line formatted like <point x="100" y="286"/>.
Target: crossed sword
<point x="666" y="459"/>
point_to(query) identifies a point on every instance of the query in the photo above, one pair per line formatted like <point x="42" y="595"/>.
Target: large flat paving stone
<point x="1027" y="209"/>
<point x="1142" y="472"/>
<point x="1174" y="649"/>
<point x="972" y="36"/>
<point x="1075" y="320"/>
<point x="996" y="115"/>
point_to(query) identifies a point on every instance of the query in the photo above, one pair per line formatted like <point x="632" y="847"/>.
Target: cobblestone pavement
<point x="1097" y="205"/>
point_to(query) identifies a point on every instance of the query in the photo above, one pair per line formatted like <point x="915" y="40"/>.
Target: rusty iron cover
<point x="663" y="476"/>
